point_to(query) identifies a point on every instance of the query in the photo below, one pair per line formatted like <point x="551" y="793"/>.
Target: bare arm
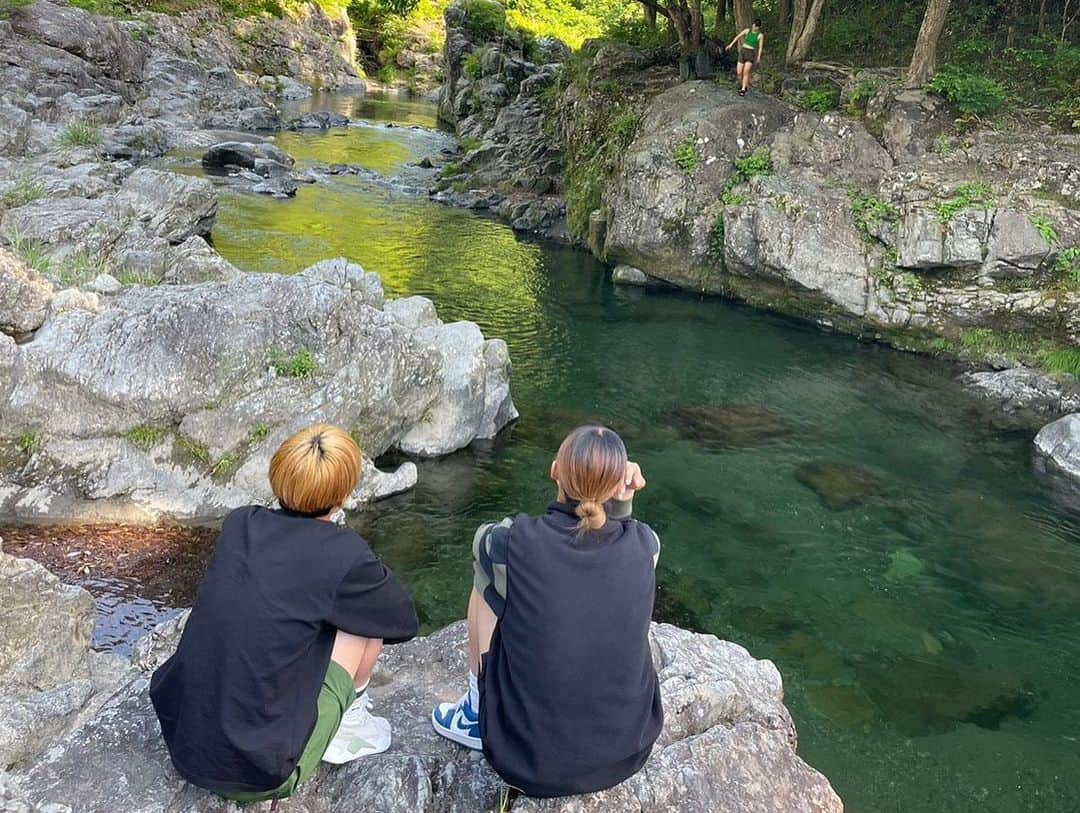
<point x="760" y="46"/>
<point x="738" y="36"/>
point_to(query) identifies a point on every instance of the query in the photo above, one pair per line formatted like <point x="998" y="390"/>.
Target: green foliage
<point x="1045" y="228"/>
<point x="1068" y="264"/>
<point x="985" y="341"/>
<point x="869" y="212"/>
<point x="32" y="254"/>
<point x="28" y="443"/>
<point x="81" y="269"/>
<point x="471" y="66"/>
<point x="146" y="436"/>
<point x="224" y="466"/>
<point x="625" y="125"/>
<point x="469" y="144"/>
<point x="632" y="30"/>
<point x="23" y="191"/>
<point x="191" y="451"/>
<point x="128" y="276"/>
<point x="1066" y="113"/>
<point x="715" y="251"/>
<point x="686" y="154"/>
<point x="484" y="18"/>
<point x="299" y="365"/>
<point x="964" y="196"/>
<point x="258" y="433"/>
<point x="1061" y="360"/>
<point x="81" y="134"/>
<point x="387" y="74"/>
<point x="969" y="93"/>
<point x="820" y="99"/>
<point x="759" y="162"/>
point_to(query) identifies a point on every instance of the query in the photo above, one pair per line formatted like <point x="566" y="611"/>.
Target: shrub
<point x="686" y="155"/>
<point x="1066" y="113"/>
<point x="869" y="212"/>
<point x="28" y="443"/>
<point x="820" y="100"/>
<point x="484" y="18"/>
<point x="81" y="134"/>
<point x="387" y="74"/>
<point x="471" y="65"/>
<point x="299" y="365"/>
<point x="1068" y="264"/>
<point x="23" y="191"/>
<point x="968" y="93"/>
<point x="625" y="125"/>
<point x="965" y="195"/>
<point x="468" y="144"/>
<point x="1045" y="228"/>
<point x="633" y="31"/>
<point x="759" y="162"/>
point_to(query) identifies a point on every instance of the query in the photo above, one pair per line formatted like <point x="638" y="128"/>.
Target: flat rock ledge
<point x="728" y="741"/>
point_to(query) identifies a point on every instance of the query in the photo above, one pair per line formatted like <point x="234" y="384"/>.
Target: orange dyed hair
<point x="591" y="467"/>
<point x="315" y="470"/>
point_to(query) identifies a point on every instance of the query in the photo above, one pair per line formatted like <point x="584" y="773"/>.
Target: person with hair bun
<point x="270" y="676"/>
<point x="563" y="697"/>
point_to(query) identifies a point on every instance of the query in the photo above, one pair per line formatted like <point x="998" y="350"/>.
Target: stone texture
<point x="24" y="295"/>
<point x="728" y="744"/>
<point x="1023" y="390"/>
<point x="208" y="365"/>
<point x="172" y="206"/>
<point x="1060" y="443"/>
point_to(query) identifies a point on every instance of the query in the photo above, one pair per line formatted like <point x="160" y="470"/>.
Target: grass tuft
<point x="81" y="134"/>
<point x="301" y="364"/>
<point x="146" y="436"/>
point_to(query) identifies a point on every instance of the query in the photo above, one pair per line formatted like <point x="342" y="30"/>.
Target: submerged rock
<point x="244" y="154"/>
<point x="839" y="485"/>
<point x="731" y="425"/>
<point x="1022" y="390"/>
<point x="728" y="743"/>
<point x="169" y="400"/>
<point x="319" y="120"/>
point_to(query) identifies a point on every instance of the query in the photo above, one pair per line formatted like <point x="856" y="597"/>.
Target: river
<point x="841" y="508"/>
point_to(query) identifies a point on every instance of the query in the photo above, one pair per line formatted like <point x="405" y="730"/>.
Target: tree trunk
<point x="924" y="60"/>
<point x="650" y="18"/>
<point x="783" y="16"/>
<point x="803" y="28"/>
<point x="1042" y="17"/>
<point x="744" y="14"/>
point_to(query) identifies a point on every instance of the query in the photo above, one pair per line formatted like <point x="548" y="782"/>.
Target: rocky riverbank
<point x="78" y="731"/>
<point x="141" y="374"/>
<point x="883" y="219"/>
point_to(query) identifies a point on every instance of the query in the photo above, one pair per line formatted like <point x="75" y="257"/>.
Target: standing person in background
<point x="271" y="673"/>
<point x="563" y="697"/>
<point x="751" y="43"/>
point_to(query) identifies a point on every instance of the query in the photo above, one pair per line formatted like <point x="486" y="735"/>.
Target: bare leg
<point x="738" y="72"/>
<point x="482" y="623"/>
<point x="746" y="74"/>
<point x="356" y="655"/>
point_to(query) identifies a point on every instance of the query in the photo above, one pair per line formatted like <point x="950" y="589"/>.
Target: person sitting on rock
<point x="751" y="43"/>
<point x="563" y="697"/>
<point x="271" y="673"/>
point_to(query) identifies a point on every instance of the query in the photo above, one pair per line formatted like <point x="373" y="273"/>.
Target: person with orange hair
<point x="271" y="672"/>
<point x="563" y="697"/>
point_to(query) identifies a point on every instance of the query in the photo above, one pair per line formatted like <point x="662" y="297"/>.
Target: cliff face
<point x="728" y="741"/>
<point x="881" y="219"/>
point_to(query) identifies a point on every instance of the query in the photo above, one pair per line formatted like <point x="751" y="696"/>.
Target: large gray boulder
<point x="661" y="214"/>
<point x="170" y="400"/>
<point x="1024" y="391"/>
<point x="171" y="205"/>
<point x="1060" y="443"/>
<point x="14" y="129"/>
<point x="728" y="744"/>
<point x="24" y="295"/>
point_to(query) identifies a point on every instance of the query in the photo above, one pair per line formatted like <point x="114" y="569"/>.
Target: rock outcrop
<point x="1059" y="442"/>
<point x="728" y="741"/>
<point x="24" y="295"/>
<point x="169" y="400"/>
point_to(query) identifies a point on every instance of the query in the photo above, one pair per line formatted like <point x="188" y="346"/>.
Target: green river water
<point x="869" y="531"/>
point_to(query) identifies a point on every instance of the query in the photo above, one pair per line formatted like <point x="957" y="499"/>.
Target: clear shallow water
<point x="855" y="519"/>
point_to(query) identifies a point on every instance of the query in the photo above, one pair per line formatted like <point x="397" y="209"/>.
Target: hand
<point x="633" y="481"/>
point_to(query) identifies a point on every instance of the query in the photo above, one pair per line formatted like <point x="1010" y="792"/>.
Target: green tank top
<point x="751" y="39"/>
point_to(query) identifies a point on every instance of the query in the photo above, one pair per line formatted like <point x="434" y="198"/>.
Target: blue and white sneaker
<point x="458" y="722"/>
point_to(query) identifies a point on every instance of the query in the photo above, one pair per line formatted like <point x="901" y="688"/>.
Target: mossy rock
<point x="839" y="485"/>
<point x="729" y="425"/>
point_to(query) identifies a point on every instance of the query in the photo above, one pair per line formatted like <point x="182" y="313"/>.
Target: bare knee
<point x="351" y="652"/>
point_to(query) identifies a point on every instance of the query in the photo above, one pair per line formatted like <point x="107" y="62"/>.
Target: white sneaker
<point x="359" y="735"/>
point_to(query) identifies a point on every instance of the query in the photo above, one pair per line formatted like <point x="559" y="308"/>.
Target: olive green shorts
<point x="747" y="54"/>
<point x="335" y="697"/>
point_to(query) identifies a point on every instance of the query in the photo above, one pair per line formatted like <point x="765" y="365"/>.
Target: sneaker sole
<point x="460" y="739"/>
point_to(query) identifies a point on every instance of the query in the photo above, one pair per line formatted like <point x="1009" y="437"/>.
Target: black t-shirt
<point x="570" y="701"/>
<point x="237" y="701"/>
